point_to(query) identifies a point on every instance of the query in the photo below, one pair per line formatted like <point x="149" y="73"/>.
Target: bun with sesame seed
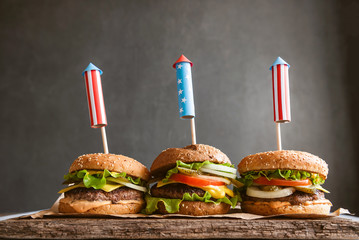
<point x="284" y="182"/>
<point x="111" y="162"/>
<point x="101" y="183"/>
<point x="285" y="159"/>
<point x="189" y="154"/>
<point x="193" y="181"/>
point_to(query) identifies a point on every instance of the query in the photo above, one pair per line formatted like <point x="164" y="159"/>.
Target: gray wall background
<point x="45" y="45"/>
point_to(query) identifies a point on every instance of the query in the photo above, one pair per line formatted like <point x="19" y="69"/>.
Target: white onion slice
<point x="221" y="179"/>
<point x="256" y="192"/>
<point x="136" y="187"/>
<point x="222" y="174"/>
<point x="128" y="184"/>
<point x="220" y="168"/>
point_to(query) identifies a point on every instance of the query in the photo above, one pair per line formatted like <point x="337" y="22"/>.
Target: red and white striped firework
<point x="92" y="76"/>
<point x="280" y="84"/>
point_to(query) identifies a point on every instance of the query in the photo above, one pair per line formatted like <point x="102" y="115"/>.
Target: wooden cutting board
<point x="180" y="228"/>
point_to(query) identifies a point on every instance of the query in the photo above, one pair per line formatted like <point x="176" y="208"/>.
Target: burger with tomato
<point x="283" y="182"/>
<point x="192" y="181"/>
<point x="104" y="184"/>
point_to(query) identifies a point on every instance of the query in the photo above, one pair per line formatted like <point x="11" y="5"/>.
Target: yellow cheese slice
<point x="216" y="191"/>
<point x="72" y="187"/>
<point x="161" y="184"/>
<point x="108" y="187"/>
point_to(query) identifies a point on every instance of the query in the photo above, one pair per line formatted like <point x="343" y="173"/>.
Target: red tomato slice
<point x="195" y="181"/>
<point x="282" y="182"/>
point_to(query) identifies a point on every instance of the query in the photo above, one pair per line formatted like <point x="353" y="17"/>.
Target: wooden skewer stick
<point x="279" y="139"/>
<point x="193" y="131"/>
<point x="104" y="140"/>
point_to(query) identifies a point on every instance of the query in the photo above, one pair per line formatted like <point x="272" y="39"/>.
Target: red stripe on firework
<point x="279" y="92"/>
<point x="102" y="104"/>
<point x="286" y="89"/>
<point x="96" y="96"/>
<point x="88" y="97"/>
<point x="274" y="108"/>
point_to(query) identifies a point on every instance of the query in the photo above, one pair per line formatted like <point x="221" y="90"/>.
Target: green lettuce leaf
<point x="172" y="205"/>
<point x="99" y="179"/>
<point x="97" y="182"/>
<point x="248" y="177"/>
<point x="192" y="166"/>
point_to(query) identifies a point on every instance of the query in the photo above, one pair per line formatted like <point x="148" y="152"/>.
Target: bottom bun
<point x="321" y="207"/>
<point x="195" y="208"/>
<point x="123" y="207"/>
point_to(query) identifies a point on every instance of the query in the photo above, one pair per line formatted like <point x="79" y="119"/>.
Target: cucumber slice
<point x="127" y="184"/>
<point x="218" y="173"/>
<point x="311" y="189"/>
<point x="187" y="171"/>
<point x="220" y="168"/>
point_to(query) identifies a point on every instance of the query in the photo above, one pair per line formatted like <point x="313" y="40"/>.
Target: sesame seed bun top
<point x="192" y="153"/>
<point x="111" y="162"/>
<point x="285" y="159"/>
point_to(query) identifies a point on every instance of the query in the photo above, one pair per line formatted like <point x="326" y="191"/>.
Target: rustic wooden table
<point x="178" y="228"/>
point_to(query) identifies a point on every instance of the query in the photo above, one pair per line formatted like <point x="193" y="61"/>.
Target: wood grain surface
<point x="178" y="228"/>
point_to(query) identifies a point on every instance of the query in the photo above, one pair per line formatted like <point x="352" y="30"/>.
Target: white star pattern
<point x="184" y="100"/>
<point x="181" y="110"/>
<point x="180" y="92"/>
<point x="179" y="81"/>
<point x="179" y="66"/>
<point x="188" y="76"/>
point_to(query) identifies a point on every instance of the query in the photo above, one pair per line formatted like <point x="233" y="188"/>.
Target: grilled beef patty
<point x="296" y="198"/>
<point x="175" y="191"/>
<point x="90" y="194"/>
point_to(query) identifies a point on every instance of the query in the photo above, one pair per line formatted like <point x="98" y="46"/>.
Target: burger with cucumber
<point x="104" y="184"/>
<point x="192" y="181"/>
<point x="283" y="182"/>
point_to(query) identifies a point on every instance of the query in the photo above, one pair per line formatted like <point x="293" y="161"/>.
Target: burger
<point x="192" y="181"/>
<point x="104" y="184"/>
<point x="283" y="182"/>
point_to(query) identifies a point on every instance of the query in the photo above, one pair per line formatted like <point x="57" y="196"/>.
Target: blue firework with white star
<point x="185" y="90"/>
